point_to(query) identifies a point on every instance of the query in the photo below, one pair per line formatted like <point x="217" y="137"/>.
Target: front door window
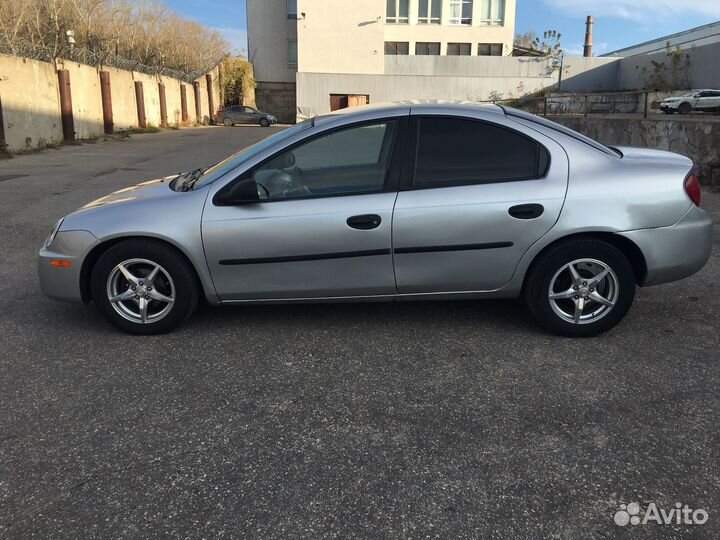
<point x="348" y="161"/>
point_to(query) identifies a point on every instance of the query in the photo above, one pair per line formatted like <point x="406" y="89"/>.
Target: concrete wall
<point x="123" y="93"/>
<point x="31" y="102"/>
<point x="482" y="79"/>
<point x="278" y="99"/>
<point x="590" y="74"/>
<point x="634" y="102"/>
<point x="86" y="99"/>
<point x="151" y="97"/>
<point x="172" y="100"/>
<point x="696" y="138"/>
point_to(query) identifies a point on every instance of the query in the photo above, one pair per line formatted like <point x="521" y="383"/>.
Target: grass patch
<point x="139" y="131"/>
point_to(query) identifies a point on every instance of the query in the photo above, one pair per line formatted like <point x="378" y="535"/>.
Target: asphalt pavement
<point x="403" y="420"/>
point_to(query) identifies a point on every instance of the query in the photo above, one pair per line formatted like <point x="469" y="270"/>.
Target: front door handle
<point x="364" y="222"/>
<point x="526" y="211"/>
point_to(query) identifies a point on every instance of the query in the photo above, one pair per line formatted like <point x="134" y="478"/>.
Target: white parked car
<point x="695" y="100"/>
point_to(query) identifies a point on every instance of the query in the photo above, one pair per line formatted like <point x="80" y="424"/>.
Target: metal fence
<point x="47" y="53"/>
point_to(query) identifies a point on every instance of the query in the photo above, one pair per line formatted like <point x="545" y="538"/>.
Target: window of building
<point x="461" y="12"/>
<point x="426" y="48"/>
<point x="429" y="11"/>
<point x="456" y="151"/>
<point x="492" y="12"/>
<point x="397" y="47"/>
<point x="397" y="12"/>
<point x="347" y="161"/>
<point x="292" y="54"/>
<point x="490" y="49"/>
<point x="292" y="9"/>
<point x="458" y="49"/>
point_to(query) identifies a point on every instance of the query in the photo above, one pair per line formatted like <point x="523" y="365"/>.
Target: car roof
<point x="418" y="106"/>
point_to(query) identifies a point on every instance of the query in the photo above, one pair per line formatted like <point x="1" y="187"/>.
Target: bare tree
<point x="142" y="31"/>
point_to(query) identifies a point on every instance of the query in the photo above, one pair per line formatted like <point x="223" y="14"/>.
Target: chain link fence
<point x="46" y="53"/>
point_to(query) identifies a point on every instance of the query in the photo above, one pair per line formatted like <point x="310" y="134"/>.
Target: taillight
<point x="692" y="188"/>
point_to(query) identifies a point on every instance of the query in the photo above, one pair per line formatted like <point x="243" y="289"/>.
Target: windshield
<point x="220" y="169"/>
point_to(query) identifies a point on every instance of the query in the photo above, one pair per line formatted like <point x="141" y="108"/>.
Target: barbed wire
<point x="46" y="53"/>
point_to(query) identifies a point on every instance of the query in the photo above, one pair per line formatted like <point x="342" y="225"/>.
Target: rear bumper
<point x="63" y="283"/>
<point x="675" y="252"/>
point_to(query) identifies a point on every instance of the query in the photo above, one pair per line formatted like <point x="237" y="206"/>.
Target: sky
<point x="618" y="23"/>
<point x="226" y="16"/>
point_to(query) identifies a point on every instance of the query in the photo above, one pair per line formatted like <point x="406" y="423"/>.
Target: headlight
<point x="53" y="234"/>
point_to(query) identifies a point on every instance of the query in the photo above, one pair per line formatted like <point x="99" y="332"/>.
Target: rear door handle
<point x="364" y="222"/>
<point x="526" y="211"/>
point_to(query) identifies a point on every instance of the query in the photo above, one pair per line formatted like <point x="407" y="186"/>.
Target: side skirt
<point x="407" y="297"/>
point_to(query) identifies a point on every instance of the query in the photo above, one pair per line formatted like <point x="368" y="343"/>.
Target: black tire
<point x="183" y="282"/>
<point x="227" y="122"/>
<point x="264" y="122"/>
<point x="685" y="108"/>
<point x="550" y="263"/>
<point x="669" y="111"/>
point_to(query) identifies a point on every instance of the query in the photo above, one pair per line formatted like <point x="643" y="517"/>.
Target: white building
<point x="311" y="56"/>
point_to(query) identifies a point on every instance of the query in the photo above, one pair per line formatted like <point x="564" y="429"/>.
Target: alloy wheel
<point x="140" y="291"/>
<point x="583" y="291"/>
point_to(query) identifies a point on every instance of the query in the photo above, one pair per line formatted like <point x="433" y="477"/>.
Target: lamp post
<point x="562" y="65"/>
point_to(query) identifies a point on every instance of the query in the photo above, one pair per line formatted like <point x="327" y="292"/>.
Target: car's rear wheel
<point x="685" y="108"/>
<point x="227" y="122"/>
<point x="580" y="288"/>
<point x="264" y="122"/>
<point x="144" y="287"/>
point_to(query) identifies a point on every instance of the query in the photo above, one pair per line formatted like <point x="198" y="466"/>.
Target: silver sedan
<point x="398" y="202"/>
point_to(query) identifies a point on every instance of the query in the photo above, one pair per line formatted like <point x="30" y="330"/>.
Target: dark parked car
<point x="242" y="114"/>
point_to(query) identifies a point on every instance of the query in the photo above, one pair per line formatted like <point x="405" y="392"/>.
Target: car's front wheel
<point x="144" y="287"/>
<point x="685" y="108"/>
<point x="264" y="122"/>
<point x="580" y="288"/>
<point x="227" y="122"/>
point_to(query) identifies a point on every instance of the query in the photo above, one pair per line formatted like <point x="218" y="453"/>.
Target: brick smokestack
<point x="587" y="49"/>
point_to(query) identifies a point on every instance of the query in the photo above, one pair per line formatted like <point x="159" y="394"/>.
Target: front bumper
<point x="675" y="252"/>
<point x="63" y="283"/>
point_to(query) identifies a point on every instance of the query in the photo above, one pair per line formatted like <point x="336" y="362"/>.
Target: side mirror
<point x="242" y="192"/>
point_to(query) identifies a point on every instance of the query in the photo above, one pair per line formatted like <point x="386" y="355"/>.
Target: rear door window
<point x="458" y="151"/>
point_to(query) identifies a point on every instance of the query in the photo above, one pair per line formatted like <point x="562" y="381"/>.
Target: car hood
<point x="632" y="153"/>
<point x="145" y="190"/>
